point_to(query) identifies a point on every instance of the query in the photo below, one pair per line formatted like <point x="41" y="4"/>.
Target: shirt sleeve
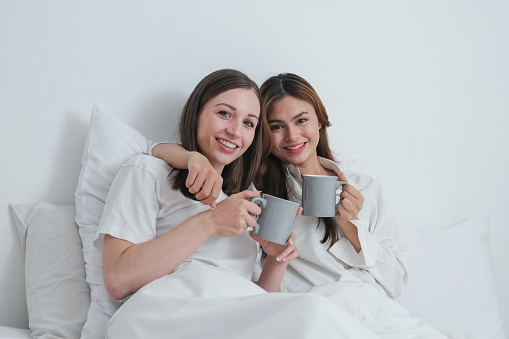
<point x="381" y="254"/>
<point x="131" y="208"/>
<point x="151" y="144"/>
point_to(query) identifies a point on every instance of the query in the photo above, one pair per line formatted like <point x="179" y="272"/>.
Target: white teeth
<point x="227" y="144"/>
<point x="295" y="147"/>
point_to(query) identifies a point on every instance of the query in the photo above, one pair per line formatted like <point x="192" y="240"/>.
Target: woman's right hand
<point x="234" y="215"/>
<point x="203" y="180"/>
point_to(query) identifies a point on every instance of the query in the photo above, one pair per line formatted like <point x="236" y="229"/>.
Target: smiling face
<point x="226" y="126"/>
<point x="295" y="132"/>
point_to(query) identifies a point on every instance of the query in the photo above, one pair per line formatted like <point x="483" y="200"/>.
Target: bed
<point x="452" y="284"/>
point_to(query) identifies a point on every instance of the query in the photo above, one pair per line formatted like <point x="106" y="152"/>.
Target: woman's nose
<point x="234" y="129"/>
<point x="291" y="134"/>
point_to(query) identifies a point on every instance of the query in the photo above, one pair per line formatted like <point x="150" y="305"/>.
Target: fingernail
<point x="278" y="259"/>
<point x="291" y="242"/>
<point x="284" y="259"/>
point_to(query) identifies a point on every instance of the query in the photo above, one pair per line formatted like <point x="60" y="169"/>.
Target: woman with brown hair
<point x="361" y="239"/>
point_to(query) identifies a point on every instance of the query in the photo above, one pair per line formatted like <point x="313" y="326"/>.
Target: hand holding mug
<point x="283" y="253"/>
<point x="233" y="215"/>
<point x="351" y="203"/>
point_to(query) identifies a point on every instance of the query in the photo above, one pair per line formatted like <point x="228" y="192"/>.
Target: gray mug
<point x="319" y="195"/>
<point x="275" y="222"/>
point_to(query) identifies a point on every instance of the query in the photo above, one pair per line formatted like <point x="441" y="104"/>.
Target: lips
<point x="296" y="148"/>
<point x="226" y="145"/>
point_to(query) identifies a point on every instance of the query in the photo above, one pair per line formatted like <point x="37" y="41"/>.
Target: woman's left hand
<point x="351" y="203"/>
<point x="282" y="253"/>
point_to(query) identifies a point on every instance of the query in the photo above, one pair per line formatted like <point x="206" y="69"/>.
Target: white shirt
<point x="381" y="260"/>
<point x="142" y="205"/>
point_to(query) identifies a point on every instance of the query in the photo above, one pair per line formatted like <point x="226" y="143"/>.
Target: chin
<point x="227" y="161"/>
<point x="289" y="159"/>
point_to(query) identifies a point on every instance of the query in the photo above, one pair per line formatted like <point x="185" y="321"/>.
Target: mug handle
<point x="339" y="183"/>
<point x="261" y="203"/>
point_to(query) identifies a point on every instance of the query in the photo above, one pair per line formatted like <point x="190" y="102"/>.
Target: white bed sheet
<point x="210" y="302"/>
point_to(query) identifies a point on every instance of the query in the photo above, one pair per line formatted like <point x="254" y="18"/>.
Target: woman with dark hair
<point x="180" y="261"/>
<point x="353" y="258"/>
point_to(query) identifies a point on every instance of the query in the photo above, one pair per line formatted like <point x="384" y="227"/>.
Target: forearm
<point x="272" y="274"/>
<point x="352" y="234"/>
<point x="128" y="268"/>
<point x="175" y="155"/>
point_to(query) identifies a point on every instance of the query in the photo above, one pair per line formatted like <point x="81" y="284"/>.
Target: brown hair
<point x="273" y="176"/>
<point x="240" y="173"/>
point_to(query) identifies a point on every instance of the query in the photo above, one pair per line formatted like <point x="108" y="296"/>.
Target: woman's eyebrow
<point x="228" y="105"/>
<point x="235" y="109"/>
<point x="299" y="115"/>
<point x="294" y="118"/>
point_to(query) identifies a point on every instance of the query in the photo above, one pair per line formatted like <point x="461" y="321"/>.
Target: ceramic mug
<point x="319" y="195"/>
<point x="275" y="222"/>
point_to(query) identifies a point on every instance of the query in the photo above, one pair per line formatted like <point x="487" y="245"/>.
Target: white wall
<point x="417" y="89"/>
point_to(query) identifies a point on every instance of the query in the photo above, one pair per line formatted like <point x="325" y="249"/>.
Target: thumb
<point x="258" y="240"/>
<point x="342" y="177"/>
<point x="299" y="211"/>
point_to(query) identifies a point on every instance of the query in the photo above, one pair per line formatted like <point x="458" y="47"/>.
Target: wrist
<point x="272" y="261"/>
<point x="206" y="224"/>
<point x="196" y="155"/>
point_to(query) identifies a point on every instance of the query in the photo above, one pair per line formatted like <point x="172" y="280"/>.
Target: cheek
<point x="204" y="135"/>
<point x="314" y="133"/>
<point x="317" y="135"/>
<point x="200" y="128"/>
<point x="201" y="131"/>
<point x="249" y="137"/>
<point x="277" y="136"/>
<point x="276" y="139"/>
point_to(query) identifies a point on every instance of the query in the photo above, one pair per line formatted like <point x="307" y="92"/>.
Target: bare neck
<point x="314" y="168"/>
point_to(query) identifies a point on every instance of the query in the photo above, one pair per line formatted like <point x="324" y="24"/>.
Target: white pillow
<point x="14" y="333"/>
<point x="109" y="144"/>
<point x="452" y="282"/>
<point x="58" y="296"/>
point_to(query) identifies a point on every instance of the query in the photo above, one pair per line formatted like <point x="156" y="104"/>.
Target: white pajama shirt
<point x="381" y="260"/>
<point x="142" y="205"/>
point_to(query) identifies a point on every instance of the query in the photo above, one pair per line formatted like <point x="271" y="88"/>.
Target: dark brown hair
<point x="273" y="176"/>
<point x="240" y="173"/>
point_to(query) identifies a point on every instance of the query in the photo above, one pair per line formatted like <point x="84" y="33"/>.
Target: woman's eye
<point x="224" y="113"/>
<point x="302" y="120"/>
<point x="275" y="127"/>
<point x="248" y="123"/>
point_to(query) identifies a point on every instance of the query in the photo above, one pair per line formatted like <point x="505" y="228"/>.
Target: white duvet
<point x="211" y="302"/>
